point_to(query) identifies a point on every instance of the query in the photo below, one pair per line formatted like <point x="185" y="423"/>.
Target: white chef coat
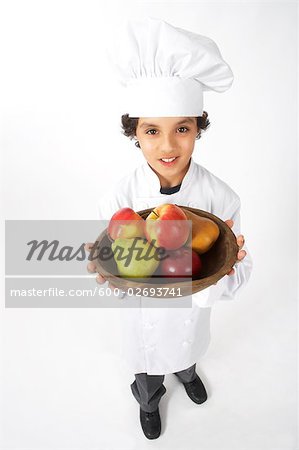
<point x="166" y="340"/>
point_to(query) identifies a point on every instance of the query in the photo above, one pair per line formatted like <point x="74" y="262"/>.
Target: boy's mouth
<point x="168" y="161"/>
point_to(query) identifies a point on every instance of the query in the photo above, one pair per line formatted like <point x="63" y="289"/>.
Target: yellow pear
<point x="205" y="232"/>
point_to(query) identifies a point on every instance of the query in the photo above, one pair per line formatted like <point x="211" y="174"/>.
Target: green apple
<point x="135" y="257"/>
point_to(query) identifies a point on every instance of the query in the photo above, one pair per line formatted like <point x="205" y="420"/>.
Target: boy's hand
<point x="91" y="268"/>
<point x="240" y="241"/>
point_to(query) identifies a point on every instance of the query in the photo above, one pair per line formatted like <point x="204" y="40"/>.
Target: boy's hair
<point x="129" y="124"/>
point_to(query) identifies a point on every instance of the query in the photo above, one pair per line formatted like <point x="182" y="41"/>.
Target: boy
<point x="165" y="82"/>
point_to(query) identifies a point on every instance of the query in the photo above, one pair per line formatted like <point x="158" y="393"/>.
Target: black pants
<point x="148" y="389"/>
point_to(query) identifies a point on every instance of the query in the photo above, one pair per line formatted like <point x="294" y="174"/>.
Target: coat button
<point x="149" y="325"/>
<point x="186" y="343"/>
<point x="187" y="321"/>
<point x="149" y="347"/>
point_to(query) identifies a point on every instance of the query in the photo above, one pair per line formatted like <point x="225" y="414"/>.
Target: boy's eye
<point x="153" y="131"/>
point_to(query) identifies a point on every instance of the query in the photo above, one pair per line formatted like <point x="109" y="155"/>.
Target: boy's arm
<point x="230" y="285"/>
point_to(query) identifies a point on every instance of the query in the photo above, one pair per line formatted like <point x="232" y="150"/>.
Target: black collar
<point x="170" y="190"/>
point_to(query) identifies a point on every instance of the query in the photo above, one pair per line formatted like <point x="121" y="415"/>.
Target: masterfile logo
<point x="46" y="266"/>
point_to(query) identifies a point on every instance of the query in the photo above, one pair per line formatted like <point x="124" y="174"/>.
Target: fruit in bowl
<point x="211" y="241"/>
<point x="126" y="223"/>
<point x="134" y="264"/>
<point x="167" y="226"/>
<point x="182" y="262"/>
<point x="204" y="234"/>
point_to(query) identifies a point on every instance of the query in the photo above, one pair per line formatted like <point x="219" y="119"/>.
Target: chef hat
<point x="165" y="69"/>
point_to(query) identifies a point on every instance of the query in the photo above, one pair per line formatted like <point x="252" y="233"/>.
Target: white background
<point x="63" y="383"/>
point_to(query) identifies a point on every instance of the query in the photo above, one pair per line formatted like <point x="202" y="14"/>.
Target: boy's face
<point x="163" y="138"/>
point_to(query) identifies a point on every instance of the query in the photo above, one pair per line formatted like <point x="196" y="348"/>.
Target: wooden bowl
<point x="217" y="262"/>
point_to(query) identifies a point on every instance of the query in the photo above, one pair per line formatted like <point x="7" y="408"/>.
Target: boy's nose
<point x="168" y="145"/>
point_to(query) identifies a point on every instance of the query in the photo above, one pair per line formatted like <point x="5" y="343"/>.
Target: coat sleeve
<point x="229" y="286"/>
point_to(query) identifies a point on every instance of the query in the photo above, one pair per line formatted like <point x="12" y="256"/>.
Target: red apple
<point x="126" y="223"/>
<point x="167" y="226"/>
<point x="183" y="262"/>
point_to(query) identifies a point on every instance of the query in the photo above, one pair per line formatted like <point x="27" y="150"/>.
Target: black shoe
<point x="196" y="390"/>
<point x="150" y="423"/>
